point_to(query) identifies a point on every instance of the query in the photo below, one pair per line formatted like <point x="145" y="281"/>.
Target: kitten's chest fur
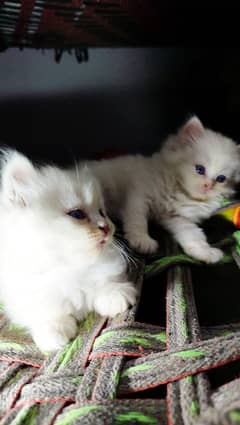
<point x="195" y="210"/>
<point x="178" y="204"/>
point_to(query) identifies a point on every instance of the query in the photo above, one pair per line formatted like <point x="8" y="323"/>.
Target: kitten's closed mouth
<point x="103" y="242"/>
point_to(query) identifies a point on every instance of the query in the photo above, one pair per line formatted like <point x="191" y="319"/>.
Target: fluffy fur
<point x="167" y="188"/>
<point x="54" y="267"/>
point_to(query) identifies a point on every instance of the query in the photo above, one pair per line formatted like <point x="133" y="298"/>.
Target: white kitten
<point x="58" y="260"/>
<point x="178" y="186"/>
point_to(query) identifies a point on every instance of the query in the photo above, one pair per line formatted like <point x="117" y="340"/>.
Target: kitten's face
<point x="74" y="206"/>
<point x="66" y="209"/>
<point x="208" y="162"/>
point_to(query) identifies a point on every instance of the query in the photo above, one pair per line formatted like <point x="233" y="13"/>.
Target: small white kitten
<point x="178" y="187"/>
<point x="58" y="259"/>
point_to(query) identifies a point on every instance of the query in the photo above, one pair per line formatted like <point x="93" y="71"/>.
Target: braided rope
<point x="99" y="377"/>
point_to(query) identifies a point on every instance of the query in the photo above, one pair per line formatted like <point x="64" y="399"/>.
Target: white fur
<point x="167" y="188"/>
<point x="53" y="267"/>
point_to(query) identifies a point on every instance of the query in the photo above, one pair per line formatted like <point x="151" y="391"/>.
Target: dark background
<point x="122" y="100"/>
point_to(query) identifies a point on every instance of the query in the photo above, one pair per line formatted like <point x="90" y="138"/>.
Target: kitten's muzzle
<point x="107" y="232"/>
<point x="104" y="228"/>
<point x="207" y="186"/>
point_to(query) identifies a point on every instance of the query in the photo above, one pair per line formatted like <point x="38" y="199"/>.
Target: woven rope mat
<point x="100" y="377"/>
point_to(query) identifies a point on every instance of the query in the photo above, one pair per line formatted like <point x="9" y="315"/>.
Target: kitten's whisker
<point x="130" y="260"/>
<point x="119" y="237"/>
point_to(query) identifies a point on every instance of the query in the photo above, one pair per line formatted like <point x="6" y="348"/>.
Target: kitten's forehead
<point x="87" y="187"/>
<point x="69" y="191"/>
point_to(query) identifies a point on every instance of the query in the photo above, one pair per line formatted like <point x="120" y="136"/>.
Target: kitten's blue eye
<point x="200" y="169"/>
<point x="78" y="214"/>
<point x="221" y="178"/>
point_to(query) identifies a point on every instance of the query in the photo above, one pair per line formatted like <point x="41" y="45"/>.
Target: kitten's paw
<point x="79" y="305"/>
<point x="115" y="298"/>
<point x="81" y="314"/>
<point x="55" y="335"/>
<point x="204" y="253"/>
<point x="143" y="243"/>
<point x="214" y="255"/>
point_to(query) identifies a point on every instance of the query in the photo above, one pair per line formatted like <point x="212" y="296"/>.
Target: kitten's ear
<point x="191" y="130"/>
<point x="18" y="178"/>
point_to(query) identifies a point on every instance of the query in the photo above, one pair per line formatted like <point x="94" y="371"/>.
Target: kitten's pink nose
<point x="208" y="186"/>
<point x="104" y="227"/>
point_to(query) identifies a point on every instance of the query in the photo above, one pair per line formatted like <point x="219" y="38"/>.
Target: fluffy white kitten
<point x="58" y="260"/>
<point x="178" y="187"/>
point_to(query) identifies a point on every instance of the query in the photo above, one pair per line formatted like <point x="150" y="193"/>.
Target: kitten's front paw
<point x="204" y="252"/>
<point x="79" y="304"/>
<point x="214" y="255"/>
<point x="143" y="243"/>
<point x="53" y="336"/>
<point x="115" y="298"/>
